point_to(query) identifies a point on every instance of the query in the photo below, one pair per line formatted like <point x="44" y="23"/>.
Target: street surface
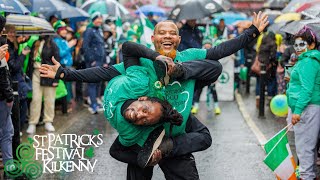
<point x="235" y="152"/>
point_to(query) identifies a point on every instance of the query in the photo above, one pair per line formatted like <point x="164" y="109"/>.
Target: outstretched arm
<point x="229" y="47"/>
<point x="92" y="75"/>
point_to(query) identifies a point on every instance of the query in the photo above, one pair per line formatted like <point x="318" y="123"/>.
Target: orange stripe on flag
<point x="293" y="162"/>
<point x="293" y="177"/>
<point x="278" y="177"/>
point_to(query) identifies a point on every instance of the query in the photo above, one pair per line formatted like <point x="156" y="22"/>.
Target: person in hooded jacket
<point x="65" y="50"/>
<point x="94" y="55"/>
<point x="304" y="100"/>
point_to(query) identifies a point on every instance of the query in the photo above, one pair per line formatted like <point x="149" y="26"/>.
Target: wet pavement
<point x="235" y="152"/>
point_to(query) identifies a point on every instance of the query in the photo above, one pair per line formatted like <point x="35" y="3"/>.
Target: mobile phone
<point x="4" y="38"/>
<point x="288" y="69"/>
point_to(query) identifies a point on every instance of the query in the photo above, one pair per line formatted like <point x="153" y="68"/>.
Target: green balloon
<point x="243" y="73"/>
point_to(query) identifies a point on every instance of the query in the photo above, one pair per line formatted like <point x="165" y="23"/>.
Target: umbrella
<point x="312" y="12"/>
<point x="276" y="27"/>
<point x="107" y="7"/>
<point x="272" y="15"/>
<point x="226" y="4"/>
<point x="229" y="17"/>
<point x="146" y="9"/>
<point x="275" y="4"/>
<point x="294" y="5"/>
<point x="194" y="9"/>
<point x="288" y="17"/>
<point x="307" y="5"/>
<point x="29" y="25"/>
<point x="295" y="26"/>
<point x="69" y="12"/>
<point x="55" y="7"/>
<point x="13" y="6"/>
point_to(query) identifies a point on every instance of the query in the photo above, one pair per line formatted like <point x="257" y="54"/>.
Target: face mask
<point x="300" y="45"/>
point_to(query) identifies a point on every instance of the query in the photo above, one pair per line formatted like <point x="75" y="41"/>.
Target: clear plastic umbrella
<point x="29" y="25"/>
<point x="106" y="7"/>
<point x="295" y="26"/>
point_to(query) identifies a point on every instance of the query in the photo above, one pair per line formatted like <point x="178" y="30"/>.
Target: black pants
<point x="181" y="164"/>
<point x="211" y="88"/>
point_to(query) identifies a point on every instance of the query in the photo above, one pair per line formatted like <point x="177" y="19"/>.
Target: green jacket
<point x="139" y="83"/>
<point x="304" y="85"/>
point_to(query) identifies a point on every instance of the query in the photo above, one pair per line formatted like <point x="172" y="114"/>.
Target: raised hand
<point x="260" y="21"/>
<point x="3" y="50"/>
<point x="168" y="60"/>
<point x="49" y="71"/>
<point x="156" y="157"/>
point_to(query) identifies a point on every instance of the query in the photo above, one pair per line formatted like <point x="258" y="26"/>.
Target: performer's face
<point x="166" y="37"/>
<point x="143" y="112"/>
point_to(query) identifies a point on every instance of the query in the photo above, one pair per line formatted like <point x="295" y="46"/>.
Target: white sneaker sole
<point x="156" y="144"/>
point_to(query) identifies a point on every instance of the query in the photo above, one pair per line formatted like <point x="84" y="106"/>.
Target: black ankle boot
<point x="166" y="147"/>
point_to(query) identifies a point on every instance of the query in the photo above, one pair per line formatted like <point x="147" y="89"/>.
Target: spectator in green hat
<point x="65" y="51"/>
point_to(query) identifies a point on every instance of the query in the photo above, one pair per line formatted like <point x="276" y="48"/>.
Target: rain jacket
<point x="15" y="65"/>
<point x="304" y="85"/>
<point x="6" y="92"/>
<point x="93" y="46"/>
<point x="65" y="51"/>
<point x="190" y="38"/>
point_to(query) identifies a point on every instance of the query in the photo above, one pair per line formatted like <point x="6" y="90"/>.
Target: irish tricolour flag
<point x="147" y="31"/>
<point x="279" y="157"/>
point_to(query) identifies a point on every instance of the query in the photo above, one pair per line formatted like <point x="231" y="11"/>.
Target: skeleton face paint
<point x="300" y="45"/>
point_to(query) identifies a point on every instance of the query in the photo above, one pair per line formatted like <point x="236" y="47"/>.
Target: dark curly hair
<point x="307" y="35"/>
<point x="168" y="113"/>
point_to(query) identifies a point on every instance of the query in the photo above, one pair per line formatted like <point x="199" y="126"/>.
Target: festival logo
<point x="177" y="96"/>
<point x="224" y="77"/>
<point x="52" y="153"/>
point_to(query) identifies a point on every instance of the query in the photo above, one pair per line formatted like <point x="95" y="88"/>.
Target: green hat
<point x="207" y="41"/>
<point x="59" y="24"/>
<point x="95" y="15"/>
<point x="131" y="32"/>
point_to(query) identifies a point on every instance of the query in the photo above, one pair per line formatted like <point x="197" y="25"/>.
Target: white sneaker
<point x="100" y="108"/>
<point x="31" y="129"/>
<point x="49" y="127"/>
<point x="92" y="111"/>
